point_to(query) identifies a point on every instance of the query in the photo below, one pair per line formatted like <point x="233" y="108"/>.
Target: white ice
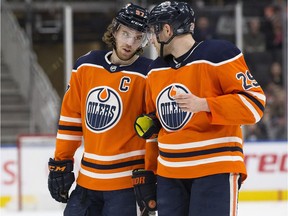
<point x="244" y="209"/>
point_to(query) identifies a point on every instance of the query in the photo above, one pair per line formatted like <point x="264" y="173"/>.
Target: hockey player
<point x="104" y="97"/>
<point x="202" y="92"/>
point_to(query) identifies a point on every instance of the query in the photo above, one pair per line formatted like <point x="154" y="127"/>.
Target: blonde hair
<point x="108" y="37"/>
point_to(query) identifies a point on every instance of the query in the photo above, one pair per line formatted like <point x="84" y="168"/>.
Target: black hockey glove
<point x="147" y="126"/>
<point x="144" y="183"/>
<point x="60" y="179"/>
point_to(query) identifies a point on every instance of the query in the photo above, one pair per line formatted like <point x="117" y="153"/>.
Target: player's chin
<point x="126" y="56"/>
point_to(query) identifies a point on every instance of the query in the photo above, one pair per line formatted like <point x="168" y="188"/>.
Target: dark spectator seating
<point x="259" y="64"/>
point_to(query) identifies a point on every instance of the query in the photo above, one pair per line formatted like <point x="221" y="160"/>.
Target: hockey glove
<point x="60" y="179"/>
<point x="144" y="183"/>
<point x="147" y="126"/>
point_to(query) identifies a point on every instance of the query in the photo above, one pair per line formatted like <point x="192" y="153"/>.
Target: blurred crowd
<point x="263" y="51"/>
<point x="265" y="35"/>
<point x="263" y="45"/>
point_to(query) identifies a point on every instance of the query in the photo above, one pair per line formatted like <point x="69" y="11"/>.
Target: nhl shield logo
<point x="103" y="109"/>
<point x="171" y="116"/>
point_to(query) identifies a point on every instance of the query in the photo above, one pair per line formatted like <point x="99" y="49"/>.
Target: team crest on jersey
<point x="171" y="116"/>
<point x="103" y="109"/>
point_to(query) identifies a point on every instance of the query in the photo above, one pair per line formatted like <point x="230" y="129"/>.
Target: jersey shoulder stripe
<point x="213" y="51"/>
<point x="92" y="57"/>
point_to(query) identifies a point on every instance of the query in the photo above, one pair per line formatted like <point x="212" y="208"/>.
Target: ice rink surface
<point x="244" y="209"/>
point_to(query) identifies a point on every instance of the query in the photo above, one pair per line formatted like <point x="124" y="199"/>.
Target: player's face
<point x="127" y="42"/>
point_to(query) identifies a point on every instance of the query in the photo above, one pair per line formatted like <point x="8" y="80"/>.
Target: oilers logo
<point x="171" y="116"/>
<point x="103" y="109"/>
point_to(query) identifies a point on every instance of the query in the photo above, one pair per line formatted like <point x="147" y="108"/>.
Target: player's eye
<point x="125" y="34"/>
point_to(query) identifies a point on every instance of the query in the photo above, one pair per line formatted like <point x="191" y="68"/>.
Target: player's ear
<point x="192" y="27"/>
<point x="167" y="30"/>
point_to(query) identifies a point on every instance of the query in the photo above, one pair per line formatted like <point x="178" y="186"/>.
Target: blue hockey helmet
<point x="133" y="16"/>
<point x="177" y="14"/>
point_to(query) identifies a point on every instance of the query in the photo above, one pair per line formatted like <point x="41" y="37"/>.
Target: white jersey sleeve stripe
<point x="258" y="95"/>
<point x="69" y="137"/>
<point x="70" y="119"/>
<point x="151" y="140"/>
<point x="251" y="108"/>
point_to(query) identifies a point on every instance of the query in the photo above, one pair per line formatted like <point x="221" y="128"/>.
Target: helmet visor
<point x="129" y="35"/>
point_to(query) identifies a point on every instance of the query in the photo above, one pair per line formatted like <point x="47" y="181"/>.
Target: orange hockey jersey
<point x="193" y="145"/>
<point x="99" y="107"/>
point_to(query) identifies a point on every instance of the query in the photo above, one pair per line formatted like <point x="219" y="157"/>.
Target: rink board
<point x="266" y="165"/>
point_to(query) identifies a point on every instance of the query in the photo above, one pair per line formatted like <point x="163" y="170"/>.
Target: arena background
<point x="41" y="39"/>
